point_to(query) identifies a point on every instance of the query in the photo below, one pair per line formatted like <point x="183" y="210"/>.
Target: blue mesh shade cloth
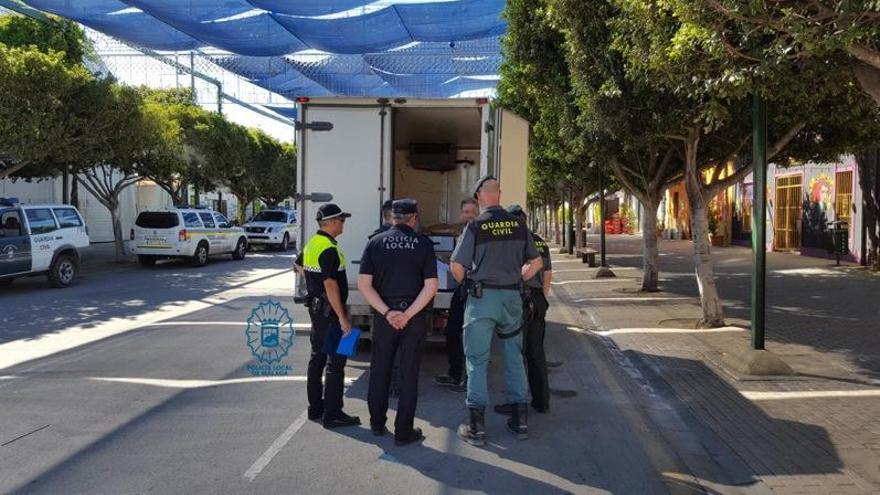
<point x="430" y="49"/>
<point x="289" y="112"/>
<point x="235" y="27"/>
<point x="451" y="21"/>
<point x="371" y="32"/>
<point x="308" y="8"/>
<point x="118" y="20"/>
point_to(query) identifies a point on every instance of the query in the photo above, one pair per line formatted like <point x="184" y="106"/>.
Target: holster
<point x="319" y="305"/>
<point x="475" y="288"/>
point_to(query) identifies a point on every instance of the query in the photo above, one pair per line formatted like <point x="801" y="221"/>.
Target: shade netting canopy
<point x="390" y="48"/>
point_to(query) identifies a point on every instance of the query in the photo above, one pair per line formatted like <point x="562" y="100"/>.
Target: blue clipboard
<point x="347" y="345"/>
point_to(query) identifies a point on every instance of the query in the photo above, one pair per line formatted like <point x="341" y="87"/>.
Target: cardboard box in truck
<point x="363" y="152"/>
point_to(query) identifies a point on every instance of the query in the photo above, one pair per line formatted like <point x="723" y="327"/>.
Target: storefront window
<point x="843" y="196"/>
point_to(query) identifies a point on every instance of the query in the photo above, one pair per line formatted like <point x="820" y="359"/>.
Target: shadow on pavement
<point x="30" y="309"/>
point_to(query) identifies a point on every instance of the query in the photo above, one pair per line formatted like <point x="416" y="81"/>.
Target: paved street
<point x="814" y="432"/>
<point x="136" y="380"/>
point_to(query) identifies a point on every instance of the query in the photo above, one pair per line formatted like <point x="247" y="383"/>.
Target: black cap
<point x="405" y="206"/>
<point x="516" y="210"/>
<point x="479" y="183"/>
<point x="387" y="204"/>
<point x="329" y="210"/>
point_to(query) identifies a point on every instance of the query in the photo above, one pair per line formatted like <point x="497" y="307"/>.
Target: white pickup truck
<point x="362" y="152"/>
<point x="40" y="240"/>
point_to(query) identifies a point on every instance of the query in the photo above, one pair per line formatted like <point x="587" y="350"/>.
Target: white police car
<point x="191" y="233"/>
<point x="40" y="239"/>
<point x="273" y="227"/>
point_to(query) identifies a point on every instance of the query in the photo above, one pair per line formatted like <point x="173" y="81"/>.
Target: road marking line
<point x="276" y="447"/>
<point x="623" y="331"/>
<point x="193" y="384"/>
<point x="616" y="268"/>
<point x="594" y="281"/>
<point x="637" y="298"/>
<point x="811" y="394"/>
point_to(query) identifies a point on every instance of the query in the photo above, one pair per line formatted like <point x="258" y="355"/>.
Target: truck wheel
<point x="63" y="270"/>
<point x="240" y="250"/>
<point x="285" y="243"/>
<point x="146" y="260"/>
<point x="200" y="258"/>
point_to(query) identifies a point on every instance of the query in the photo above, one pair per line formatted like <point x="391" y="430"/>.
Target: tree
<point x="39" y="126"/>
<point x="171" y="161"/>
<point x="54" y="36"/>
<point x="118" y="146"/>
<point x="625" y="118"/>
<point x="760" y="33"/>
<point x="814" y="106"/>
<point x="276" y="178"/>
<point x="226" y="152"/>
<point x="535" y="83"/>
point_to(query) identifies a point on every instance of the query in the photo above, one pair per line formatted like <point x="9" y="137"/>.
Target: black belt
<point x="502" y="287"/>
<point x="399" y="303"/>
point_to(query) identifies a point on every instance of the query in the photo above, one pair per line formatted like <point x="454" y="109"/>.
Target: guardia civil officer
<point x="398" y="278"/>
<point x="386" y="219"/>
<point x="492" y="253"/>
<point x="535" y="305"/>
<point x="323" y="264"/>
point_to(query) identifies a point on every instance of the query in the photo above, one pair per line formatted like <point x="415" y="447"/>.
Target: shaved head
<point x="489" y="193"/>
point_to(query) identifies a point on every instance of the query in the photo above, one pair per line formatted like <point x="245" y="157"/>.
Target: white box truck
<point x="362" y="152"/>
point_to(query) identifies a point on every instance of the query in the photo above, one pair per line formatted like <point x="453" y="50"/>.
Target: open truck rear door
<point x="351" y="162"/>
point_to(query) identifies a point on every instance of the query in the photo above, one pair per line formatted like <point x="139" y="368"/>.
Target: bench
<point x="588" y="255"/>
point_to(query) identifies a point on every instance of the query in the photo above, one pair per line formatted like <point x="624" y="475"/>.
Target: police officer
<point x="398" y="278"/>
<point x="492" y="253"/>
<point x="386" y="219"/>
<point x="323" y="264"/>
<point x="456" y="379"/>
<point x="387" y="223"/>
<point x="535" y="306"/>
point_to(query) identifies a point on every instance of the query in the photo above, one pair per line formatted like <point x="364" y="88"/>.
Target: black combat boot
<point x="474" y="432"/>
<point x="518" y="424"/>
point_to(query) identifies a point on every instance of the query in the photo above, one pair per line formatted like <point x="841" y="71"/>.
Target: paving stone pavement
<point x="815" y="432"/>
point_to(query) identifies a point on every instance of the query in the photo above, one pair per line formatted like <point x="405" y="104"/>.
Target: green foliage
<point x="41" y="97"/>
<point x="535" y="83"/>
<point x="59" y="35"/>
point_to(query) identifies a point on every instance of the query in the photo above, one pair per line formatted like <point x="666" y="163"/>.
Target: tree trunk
<point x="555" y="213"/>
<point x="869" y="182"/>
<point x="869" y="80"/>
<point x="710" y="300"/>
<point x="113" y="206"/>
<point x="579" y="217"/>
<point x="651" y="251"/>
<point x="242" y="209"/>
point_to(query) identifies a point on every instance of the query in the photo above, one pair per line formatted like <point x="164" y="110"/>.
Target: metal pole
<point x="602" y="262"/>
<point x="564" y="242"/>
<point x="571" y="230"/>
<point x="759" y="219"/>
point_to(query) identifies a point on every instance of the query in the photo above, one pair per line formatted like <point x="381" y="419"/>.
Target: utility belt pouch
<point x="475" y="288"/>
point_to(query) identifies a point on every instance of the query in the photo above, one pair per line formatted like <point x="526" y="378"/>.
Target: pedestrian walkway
<point x="815" y="432"/>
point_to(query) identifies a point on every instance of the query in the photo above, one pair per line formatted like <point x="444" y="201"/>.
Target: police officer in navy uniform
<point x="387" y="223"/>
<point x="398" y="278"/>
<point x="323" y="264"/>
<point x="495" y="254"/>
<point x="535" y="306"/>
